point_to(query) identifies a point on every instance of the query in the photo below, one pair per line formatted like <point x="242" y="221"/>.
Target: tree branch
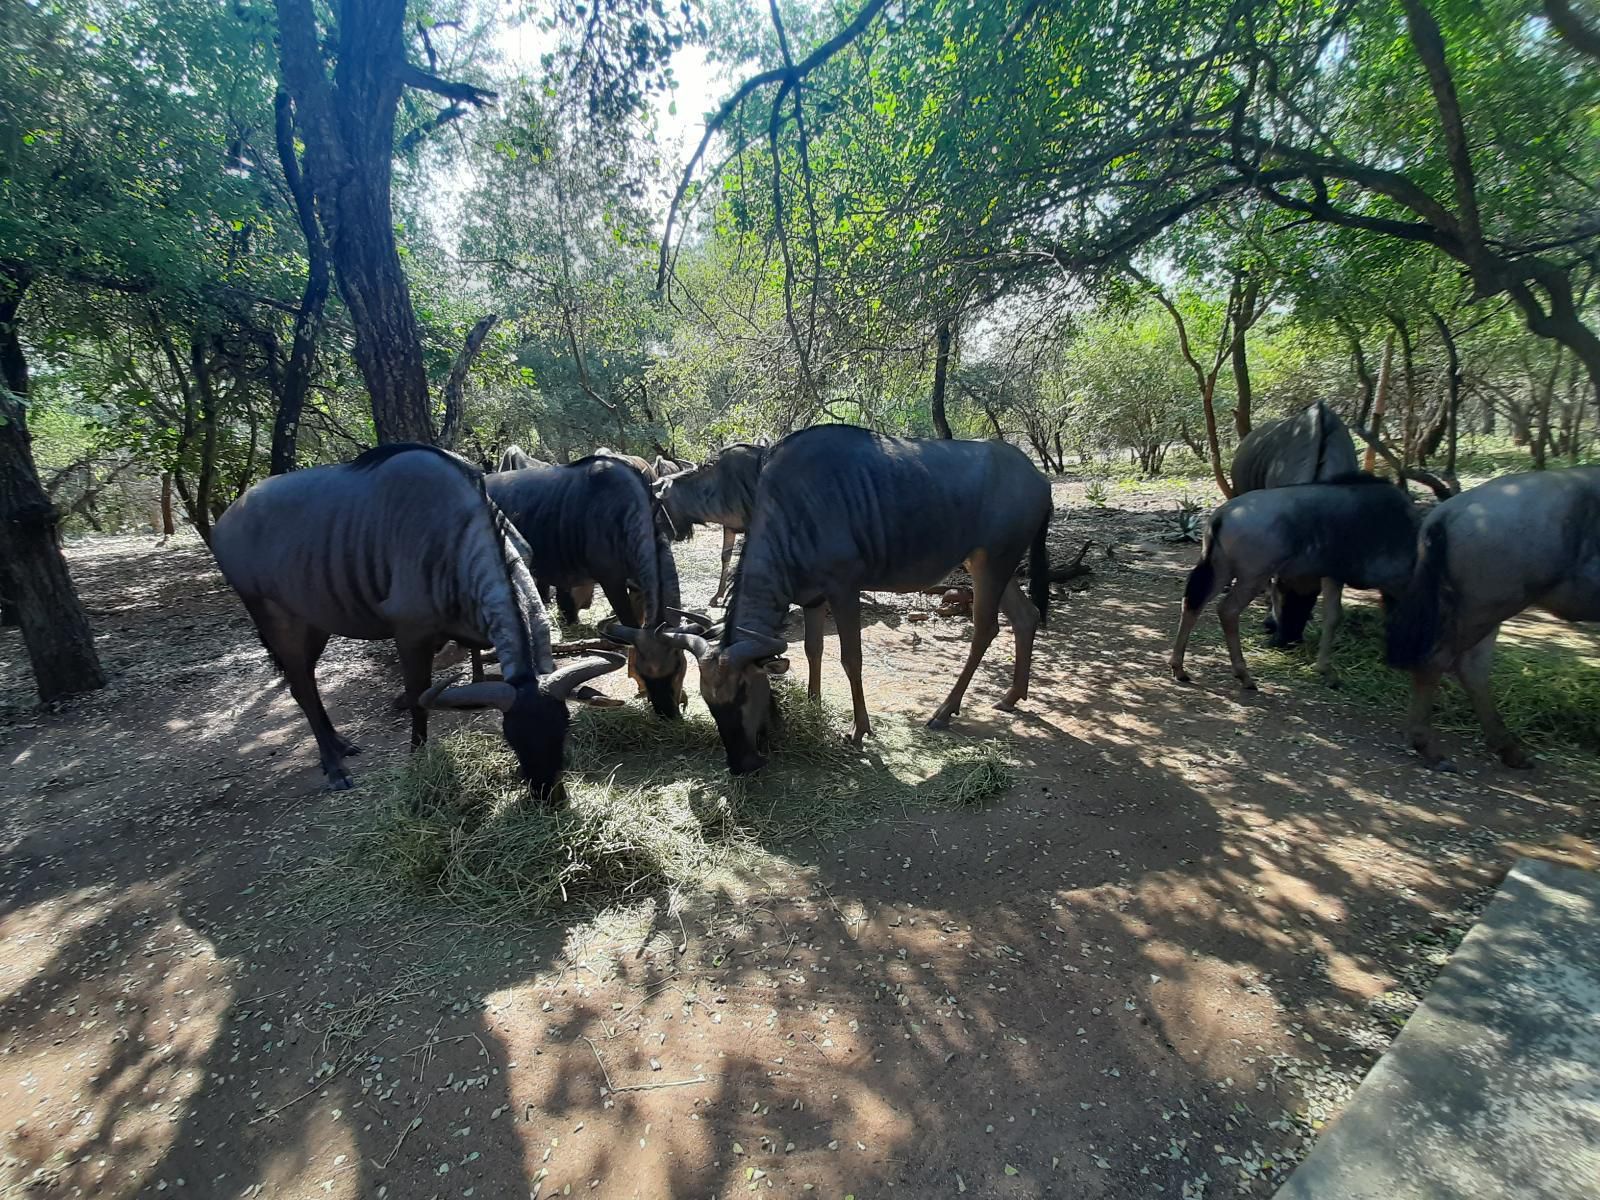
<point x="455" y="383"/>
<point x="413" y="76"/>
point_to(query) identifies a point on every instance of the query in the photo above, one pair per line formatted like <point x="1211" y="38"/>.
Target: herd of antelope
<point x="414" y="544"/>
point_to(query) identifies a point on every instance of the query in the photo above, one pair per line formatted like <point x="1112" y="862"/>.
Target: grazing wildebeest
<point x="515" y="458"/>
<point x="839" y="510"/>
<point x="1358" y="531"/>
<point x="1520" y="541"/>
<point x="401" y="543"/>
<point x="1312" y="446"/>
<point x="719" y="492"/>
<point x="593" y="522"/>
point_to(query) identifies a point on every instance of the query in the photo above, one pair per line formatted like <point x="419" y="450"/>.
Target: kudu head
<point x="533" y="714"/>
<point x="736" y="684"/>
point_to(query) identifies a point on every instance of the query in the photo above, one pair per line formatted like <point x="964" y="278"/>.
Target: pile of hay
<point x="1549" y="695"/>
<point x="650" y="806"/>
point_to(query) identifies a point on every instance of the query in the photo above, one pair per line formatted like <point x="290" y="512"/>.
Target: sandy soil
<point x="1154" y="968"/>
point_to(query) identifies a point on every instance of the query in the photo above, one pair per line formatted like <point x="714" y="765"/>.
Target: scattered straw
<point x="650" y="806"/>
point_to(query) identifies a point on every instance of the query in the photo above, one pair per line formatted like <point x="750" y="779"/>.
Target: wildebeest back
<point x="1312" y="446"/>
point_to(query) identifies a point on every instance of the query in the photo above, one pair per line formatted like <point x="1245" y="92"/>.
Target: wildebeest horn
<point x="624" y="635"/>
<point x="560" y="683"/>
<point x="752" y="647"/>
<point x="493" y="693"/>
<point x="688" y="616"/>
<point x="685" y="640"/>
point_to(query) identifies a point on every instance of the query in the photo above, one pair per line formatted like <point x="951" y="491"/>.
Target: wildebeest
<point x="839" y="510"/>
<point x="593" y="522"/>
<point x="633" y="460"/>
<point x="514" y="458"/>
<point x="719" y="492"/>
<point x="664" y="467"/>
<point x="401" y="543"/>
<point x="1357" y="531"/>
<point x="1520" y="541"/>
<point x="1312" y="446"/>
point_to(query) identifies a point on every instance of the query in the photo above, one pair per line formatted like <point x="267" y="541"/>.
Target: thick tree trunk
<point x="35" y="579"/>
<point x="941" y="369"/>
<point x="348" y="129"/>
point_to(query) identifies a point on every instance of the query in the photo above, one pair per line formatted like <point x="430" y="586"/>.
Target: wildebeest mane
<point x="371" y="459"/>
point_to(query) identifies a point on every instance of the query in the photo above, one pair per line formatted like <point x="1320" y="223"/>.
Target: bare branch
<point x="461" y="93"/>
<point x="455" y="383"/>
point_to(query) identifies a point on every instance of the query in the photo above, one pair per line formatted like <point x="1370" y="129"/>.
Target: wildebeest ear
<point x="776" y="666"/>
<point x="563" y="682"/>
<point x="488" y="694"/>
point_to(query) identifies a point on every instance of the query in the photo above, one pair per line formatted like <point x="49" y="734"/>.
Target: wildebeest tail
<point x="1414" y="625"/>
<point x="1204" y="576"/>
<point x="1039" y="571"/>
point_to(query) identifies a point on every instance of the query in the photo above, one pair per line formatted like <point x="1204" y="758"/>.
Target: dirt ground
<point x="1153" y="969"/>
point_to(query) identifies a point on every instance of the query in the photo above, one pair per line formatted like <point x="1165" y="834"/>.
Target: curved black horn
<point x="688" y="616"/>
<point x="623" y="635"/>
<point x="684" y="640"/>
<point x="485" y="694"/>
<point x="752" y="647"/>
<point x="560" y="683"/>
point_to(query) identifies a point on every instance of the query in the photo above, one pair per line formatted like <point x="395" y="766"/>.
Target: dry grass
<point x="650" y="807"/>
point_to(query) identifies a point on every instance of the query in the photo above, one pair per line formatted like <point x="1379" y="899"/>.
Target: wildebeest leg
<point x="1269" y="624"/>
<point x="728" y="538"/>
<point x="986" y="592"/>
<point x="1221" y="575"/>
<point x="1419" y="718"/>
<point x="1228" y="612"/>
<point x="1024" y="618"/>
<point x="1472" y="668"/>
<point x="296" y="647"/>
<point x="1332" y="614"/>
<point x="815" y="615"/>
<point x="628" y="607"/>
<point x="416" y="670"/>
<point x="846" y="609"/>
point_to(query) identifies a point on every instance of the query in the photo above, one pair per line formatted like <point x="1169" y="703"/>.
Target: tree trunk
<point x="1380" y="401"/>
<point x="35" y="579"/>
<point x="941" y="367"/>
<point x="169" y="526"/>
<point x="455" y="386"/>
<point x="1249" y="295"/>
<point x="347" y="124"/>
<point x="295" y="381"/>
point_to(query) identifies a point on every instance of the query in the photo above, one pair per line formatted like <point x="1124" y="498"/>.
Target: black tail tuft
<point x="1039" y="571"/>
<point x="1414" y="624"/>
<point x="1204" y="576"/>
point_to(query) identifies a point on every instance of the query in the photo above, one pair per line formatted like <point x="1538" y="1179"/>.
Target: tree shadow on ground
<point x="1082" y="990"/>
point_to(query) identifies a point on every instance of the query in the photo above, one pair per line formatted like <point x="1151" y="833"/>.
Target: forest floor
<point x="1154" y="968"/>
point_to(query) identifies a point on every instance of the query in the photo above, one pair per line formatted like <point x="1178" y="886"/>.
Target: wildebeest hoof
<point x="1332" y="680"/>
<point x="1246" y="684"/>
<point x="339" y="781"/>
<point x="939" y="721"/>
<point x="1182" y="676"/>
<point x="1516" y="758"/>
<point x="1444" y="766"/>
<point x="1006" y="704"/>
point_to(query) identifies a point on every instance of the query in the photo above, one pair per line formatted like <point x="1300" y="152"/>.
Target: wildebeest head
<point x="736" y="684"/>
<point x="533" y="714"/>
<point x="678" y="499"/>
<point x="659" y="665"/>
